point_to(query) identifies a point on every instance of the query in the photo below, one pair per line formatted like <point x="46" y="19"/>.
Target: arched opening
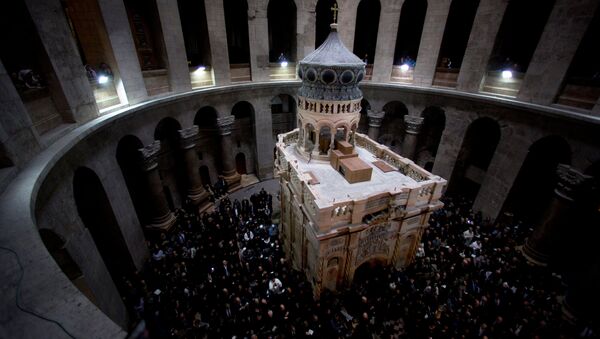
<point x="195" y="36"/>
<point x="324" y="18"/>
<point x="205" y="175"/>
<point x="128" y="159"/>
<point x="208" y="145"/>
<point x="518" y="35"/>
<point x="240" y="163"/>
<point x="408" y="39"/>
<point x="243" y="131"/>
<point x="281" y="16"/>
<point x="238" y="46"/>
<point x="476" y="153"/>
<point x="56" y="246"/>
<point x="434" y="122"/>
<point x="324" y="140"/>
<point x="85" y="20"/>
<point x="170" y="162"/>
<point x="30" y="68"/>
<point x="532" y="190"/>
<point x="363" y="124"/>
<point x="98" y="217"/>
<point x="365" y="34"/>
<point x="310" y="138"/>
<point x="392" y="127"/>
<point x="454" y="43"/>
<point x="581" y="87"/>
<point x="283" y="110"/>
<point x="368" y="273"/>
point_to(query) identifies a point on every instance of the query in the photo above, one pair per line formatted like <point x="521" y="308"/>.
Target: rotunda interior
<point x="141" y="171"/>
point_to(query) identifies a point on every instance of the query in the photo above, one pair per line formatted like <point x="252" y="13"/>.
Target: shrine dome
<point x="331" y="72"/>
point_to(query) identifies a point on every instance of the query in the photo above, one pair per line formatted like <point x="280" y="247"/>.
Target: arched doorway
<point x="476" y="153"/>
<point x="170" y="162"/>
<point x="281" y="16"/>
<point x="365" y="34"/>
<point x="243" y="131"/>
<point x="533" y="188"/>
<point x="128" y="160"/>
<point x="98" y="217"/>
<point x="410" y="28"/>
<point x="369" y="275"/>
<point x="324" y="18"/>
<point x="240" y="163"/>
<point x="205" y="175"/>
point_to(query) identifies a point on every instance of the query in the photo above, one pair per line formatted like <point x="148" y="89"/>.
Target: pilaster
<point x="481" y="42"/>
<point x="132" y="85"/>
<point x="556" y="49"/>
<point x="217" y="35"/>
<point x="386" y="40"/>
<point x="431" y="41"/>
<point x="258" y="34"/>
<point x="170" y="23"/>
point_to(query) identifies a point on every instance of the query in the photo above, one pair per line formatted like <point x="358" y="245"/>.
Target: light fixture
<point x="284" y="64"/>
<point x="506" y="74"/>
<point x="200" y="69"/>
<point x="102" y="79"/>
<point x="404" y="68"/>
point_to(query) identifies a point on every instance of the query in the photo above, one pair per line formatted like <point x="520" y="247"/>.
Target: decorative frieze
<point x="572" y="183"/>
<point x="187" y="137"/>
<point x="375" y="118"/>
<point x="413" y="124"/>
<point x="149" y="154"/>
<point x="225" y="124"/>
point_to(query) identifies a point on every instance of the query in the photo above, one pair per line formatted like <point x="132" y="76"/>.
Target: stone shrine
<point x="345" y="199"/>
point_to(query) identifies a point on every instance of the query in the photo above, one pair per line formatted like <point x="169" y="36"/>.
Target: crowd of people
<point x="223" y="274"/>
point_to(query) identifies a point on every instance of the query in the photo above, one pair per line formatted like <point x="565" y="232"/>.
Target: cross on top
<point x="335" y="9"/>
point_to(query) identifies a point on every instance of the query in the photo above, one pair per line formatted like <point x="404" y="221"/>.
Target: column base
<point x="162" y="224"/>
<point x="533" y="256"/>
<point x="233" y="180"/>
<point x="197" y="196"/>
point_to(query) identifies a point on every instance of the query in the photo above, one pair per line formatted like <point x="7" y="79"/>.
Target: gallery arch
<point x="195" y="32"/>
<point x="281" y="16"/>
<point x="410" y="27"/>
<point x="365" y="34"/>
<point x="170" y="166"/>
<point x="98" y="217"/>
<point x="283" y="114"/>
<point x="130" y="163"/>
<point x="323" y="19"/>
<point x="434" y="122"/>
<point x="392" y="127"/>
<point x="474" y="157"/>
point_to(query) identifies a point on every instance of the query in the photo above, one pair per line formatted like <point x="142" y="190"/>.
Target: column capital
<point x="375" y="118"/>
<point x="148" y="155"/>
<point x="187" y="136"/>
<point x="225" y="124"/>
<point x="413" y="124"/>
<point x="572" y="184"/>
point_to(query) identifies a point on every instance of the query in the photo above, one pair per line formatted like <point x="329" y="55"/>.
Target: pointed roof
<point x="332" y="52"/>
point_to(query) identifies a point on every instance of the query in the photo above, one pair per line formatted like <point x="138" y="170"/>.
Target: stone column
<point x="229" y="171"/>
<point x="431" y="41"/>
<point x="386" y="40"/>
<point x="258" y="34"/>
<point x="123" y="49"/>
<point x="543" y="246"/>
<point x="160" y="216"/>
<point x="217" y="36"/>
<point x="187" y="142"/>
<point x="75" y="99"/>
<point x="375" y="119"/>
<point x="556" y="49"/>
<point x="170" y="23"/>
<point x="347" y="21"/>
<point x="17" y="134"/>
<point x="481" y="42"/>
<point x="411" y="136"/>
